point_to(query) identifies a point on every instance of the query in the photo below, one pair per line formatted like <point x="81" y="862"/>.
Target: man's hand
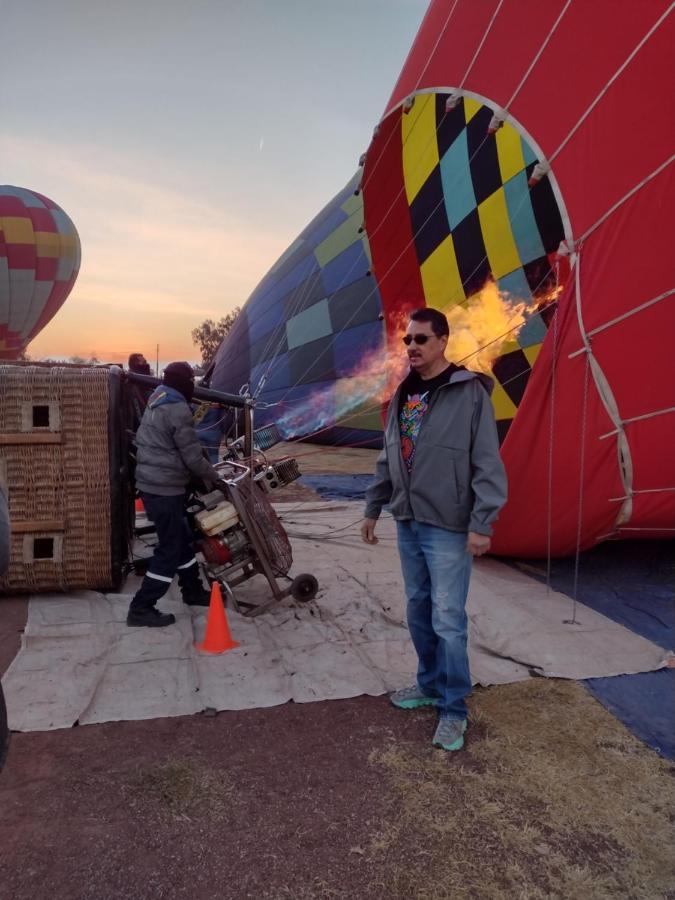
<point x="476" y="544"/>
<point x="368" y="531"/>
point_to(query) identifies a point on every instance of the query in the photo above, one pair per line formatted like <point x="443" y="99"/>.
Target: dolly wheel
<point x="304" y="588"/>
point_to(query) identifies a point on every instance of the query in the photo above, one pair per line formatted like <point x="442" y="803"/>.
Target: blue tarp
<point x="338" y="487"/>
<point x="644" y="703"/>
<point x="630" y="582"/>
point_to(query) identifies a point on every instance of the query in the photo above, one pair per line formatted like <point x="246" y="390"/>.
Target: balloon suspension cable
<point x="624" y="65"/>
<point x="549" y="516"/>
<point x="481" y="43"/>
<point x="435" y="47"/>
<point x="582" y="459"/>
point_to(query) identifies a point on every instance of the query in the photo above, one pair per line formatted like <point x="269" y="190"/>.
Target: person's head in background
<point x="139" y="364"/>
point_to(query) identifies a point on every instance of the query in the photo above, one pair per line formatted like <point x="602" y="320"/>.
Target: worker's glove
<point x="222" y="486"/>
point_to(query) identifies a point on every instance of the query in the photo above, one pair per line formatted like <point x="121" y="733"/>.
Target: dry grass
<point x="552" y="798"/>
<point x="317" y="890"/>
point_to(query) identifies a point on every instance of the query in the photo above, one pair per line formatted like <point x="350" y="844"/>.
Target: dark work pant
<point x="174" y="552"/>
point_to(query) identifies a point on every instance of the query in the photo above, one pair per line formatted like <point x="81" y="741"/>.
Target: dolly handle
<point x="234" y="465"/>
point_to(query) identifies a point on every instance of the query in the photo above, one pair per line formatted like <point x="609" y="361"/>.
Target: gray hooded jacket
<point x="458" y="480"/>
<point x="168" y="452"/>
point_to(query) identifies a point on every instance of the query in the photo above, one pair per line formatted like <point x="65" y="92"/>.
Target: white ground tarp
<point x="79" y="662"/>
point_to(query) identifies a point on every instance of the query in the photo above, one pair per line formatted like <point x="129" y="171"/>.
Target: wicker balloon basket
<point x="63" y="463"/>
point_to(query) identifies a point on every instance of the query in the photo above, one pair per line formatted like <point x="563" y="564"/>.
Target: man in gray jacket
<point x="442" y="476"/>
<point x="168" y="455"/>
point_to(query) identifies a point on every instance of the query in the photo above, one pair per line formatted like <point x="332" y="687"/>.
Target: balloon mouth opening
<point x="469" y="235"/>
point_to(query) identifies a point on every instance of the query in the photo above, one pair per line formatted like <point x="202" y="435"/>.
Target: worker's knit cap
<point x="179" y="375"/>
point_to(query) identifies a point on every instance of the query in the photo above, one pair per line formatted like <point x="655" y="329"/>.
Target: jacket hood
<point x="467" y="375"/>
<point x="461" y="374"/>
<point x="163" y="394"/>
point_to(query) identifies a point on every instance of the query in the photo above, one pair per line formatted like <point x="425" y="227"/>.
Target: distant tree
<point x="82" y="361"/>
<point x="209" y="335"/>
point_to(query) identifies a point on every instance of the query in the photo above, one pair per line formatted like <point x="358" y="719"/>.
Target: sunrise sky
<point x="189" y="143"/>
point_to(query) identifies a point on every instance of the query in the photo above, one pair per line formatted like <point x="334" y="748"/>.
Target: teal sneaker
<point x="450" y="734"/>
<point x="411" y="698"/>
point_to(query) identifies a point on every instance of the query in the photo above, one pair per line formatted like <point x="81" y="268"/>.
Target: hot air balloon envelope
<point x="520" y="180"/>
<point x="39" y="262"/>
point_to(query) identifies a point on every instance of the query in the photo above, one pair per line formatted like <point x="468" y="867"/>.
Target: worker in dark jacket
<point x="442" y="476"/>
<point x="168" y="456"/>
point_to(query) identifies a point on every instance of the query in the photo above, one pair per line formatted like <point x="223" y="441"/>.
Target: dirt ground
<point x="345" y="799"/>
<point x="552" y="797"/>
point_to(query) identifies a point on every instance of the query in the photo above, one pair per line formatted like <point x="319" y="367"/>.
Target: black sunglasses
<point x="418" y="338"/>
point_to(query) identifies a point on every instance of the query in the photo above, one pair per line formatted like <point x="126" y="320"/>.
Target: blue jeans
<point x="436" y="571"/>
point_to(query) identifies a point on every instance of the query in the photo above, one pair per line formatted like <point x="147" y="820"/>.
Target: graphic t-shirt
<point x="415" y="396"/>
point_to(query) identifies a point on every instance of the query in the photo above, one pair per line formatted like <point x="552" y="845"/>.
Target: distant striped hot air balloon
<point x="39" y="262"/>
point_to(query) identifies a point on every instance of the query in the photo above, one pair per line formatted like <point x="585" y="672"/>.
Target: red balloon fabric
<point x="559" y="114"/>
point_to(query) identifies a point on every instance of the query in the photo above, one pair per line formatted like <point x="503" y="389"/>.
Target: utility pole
<point x="157" y="363"/>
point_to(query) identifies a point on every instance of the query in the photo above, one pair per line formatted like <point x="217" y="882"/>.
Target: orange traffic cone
<point x="217" y="638"/>
<point x="138" y="506"/>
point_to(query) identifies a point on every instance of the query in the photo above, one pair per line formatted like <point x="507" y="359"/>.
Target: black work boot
<point x="197" y="597"/>
<point x="191" y="587"/>
<point x="142" y="609"/>
<point x="150" y="617"/>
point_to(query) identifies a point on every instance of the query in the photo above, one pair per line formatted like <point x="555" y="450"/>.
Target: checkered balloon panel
<point x="474" y="218"/>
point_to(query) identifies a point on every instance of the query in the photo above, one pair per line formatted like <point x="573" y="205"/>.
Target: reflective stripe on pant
<point x="174" y="551"/>
<point x="436" y="571"/>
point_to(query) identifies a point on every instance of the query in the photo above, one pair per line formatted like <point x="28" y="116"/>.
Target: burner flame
<point x="480" y="329"/>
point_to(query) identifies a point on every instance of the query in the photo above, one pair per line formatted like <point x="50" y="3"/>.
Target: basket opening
<point x="43" y="548"/>
<point x="40" y="416"/>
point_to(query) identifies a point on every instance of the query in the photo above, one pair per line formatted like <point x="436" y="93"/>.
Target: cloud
<point x="149" y="249"/>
